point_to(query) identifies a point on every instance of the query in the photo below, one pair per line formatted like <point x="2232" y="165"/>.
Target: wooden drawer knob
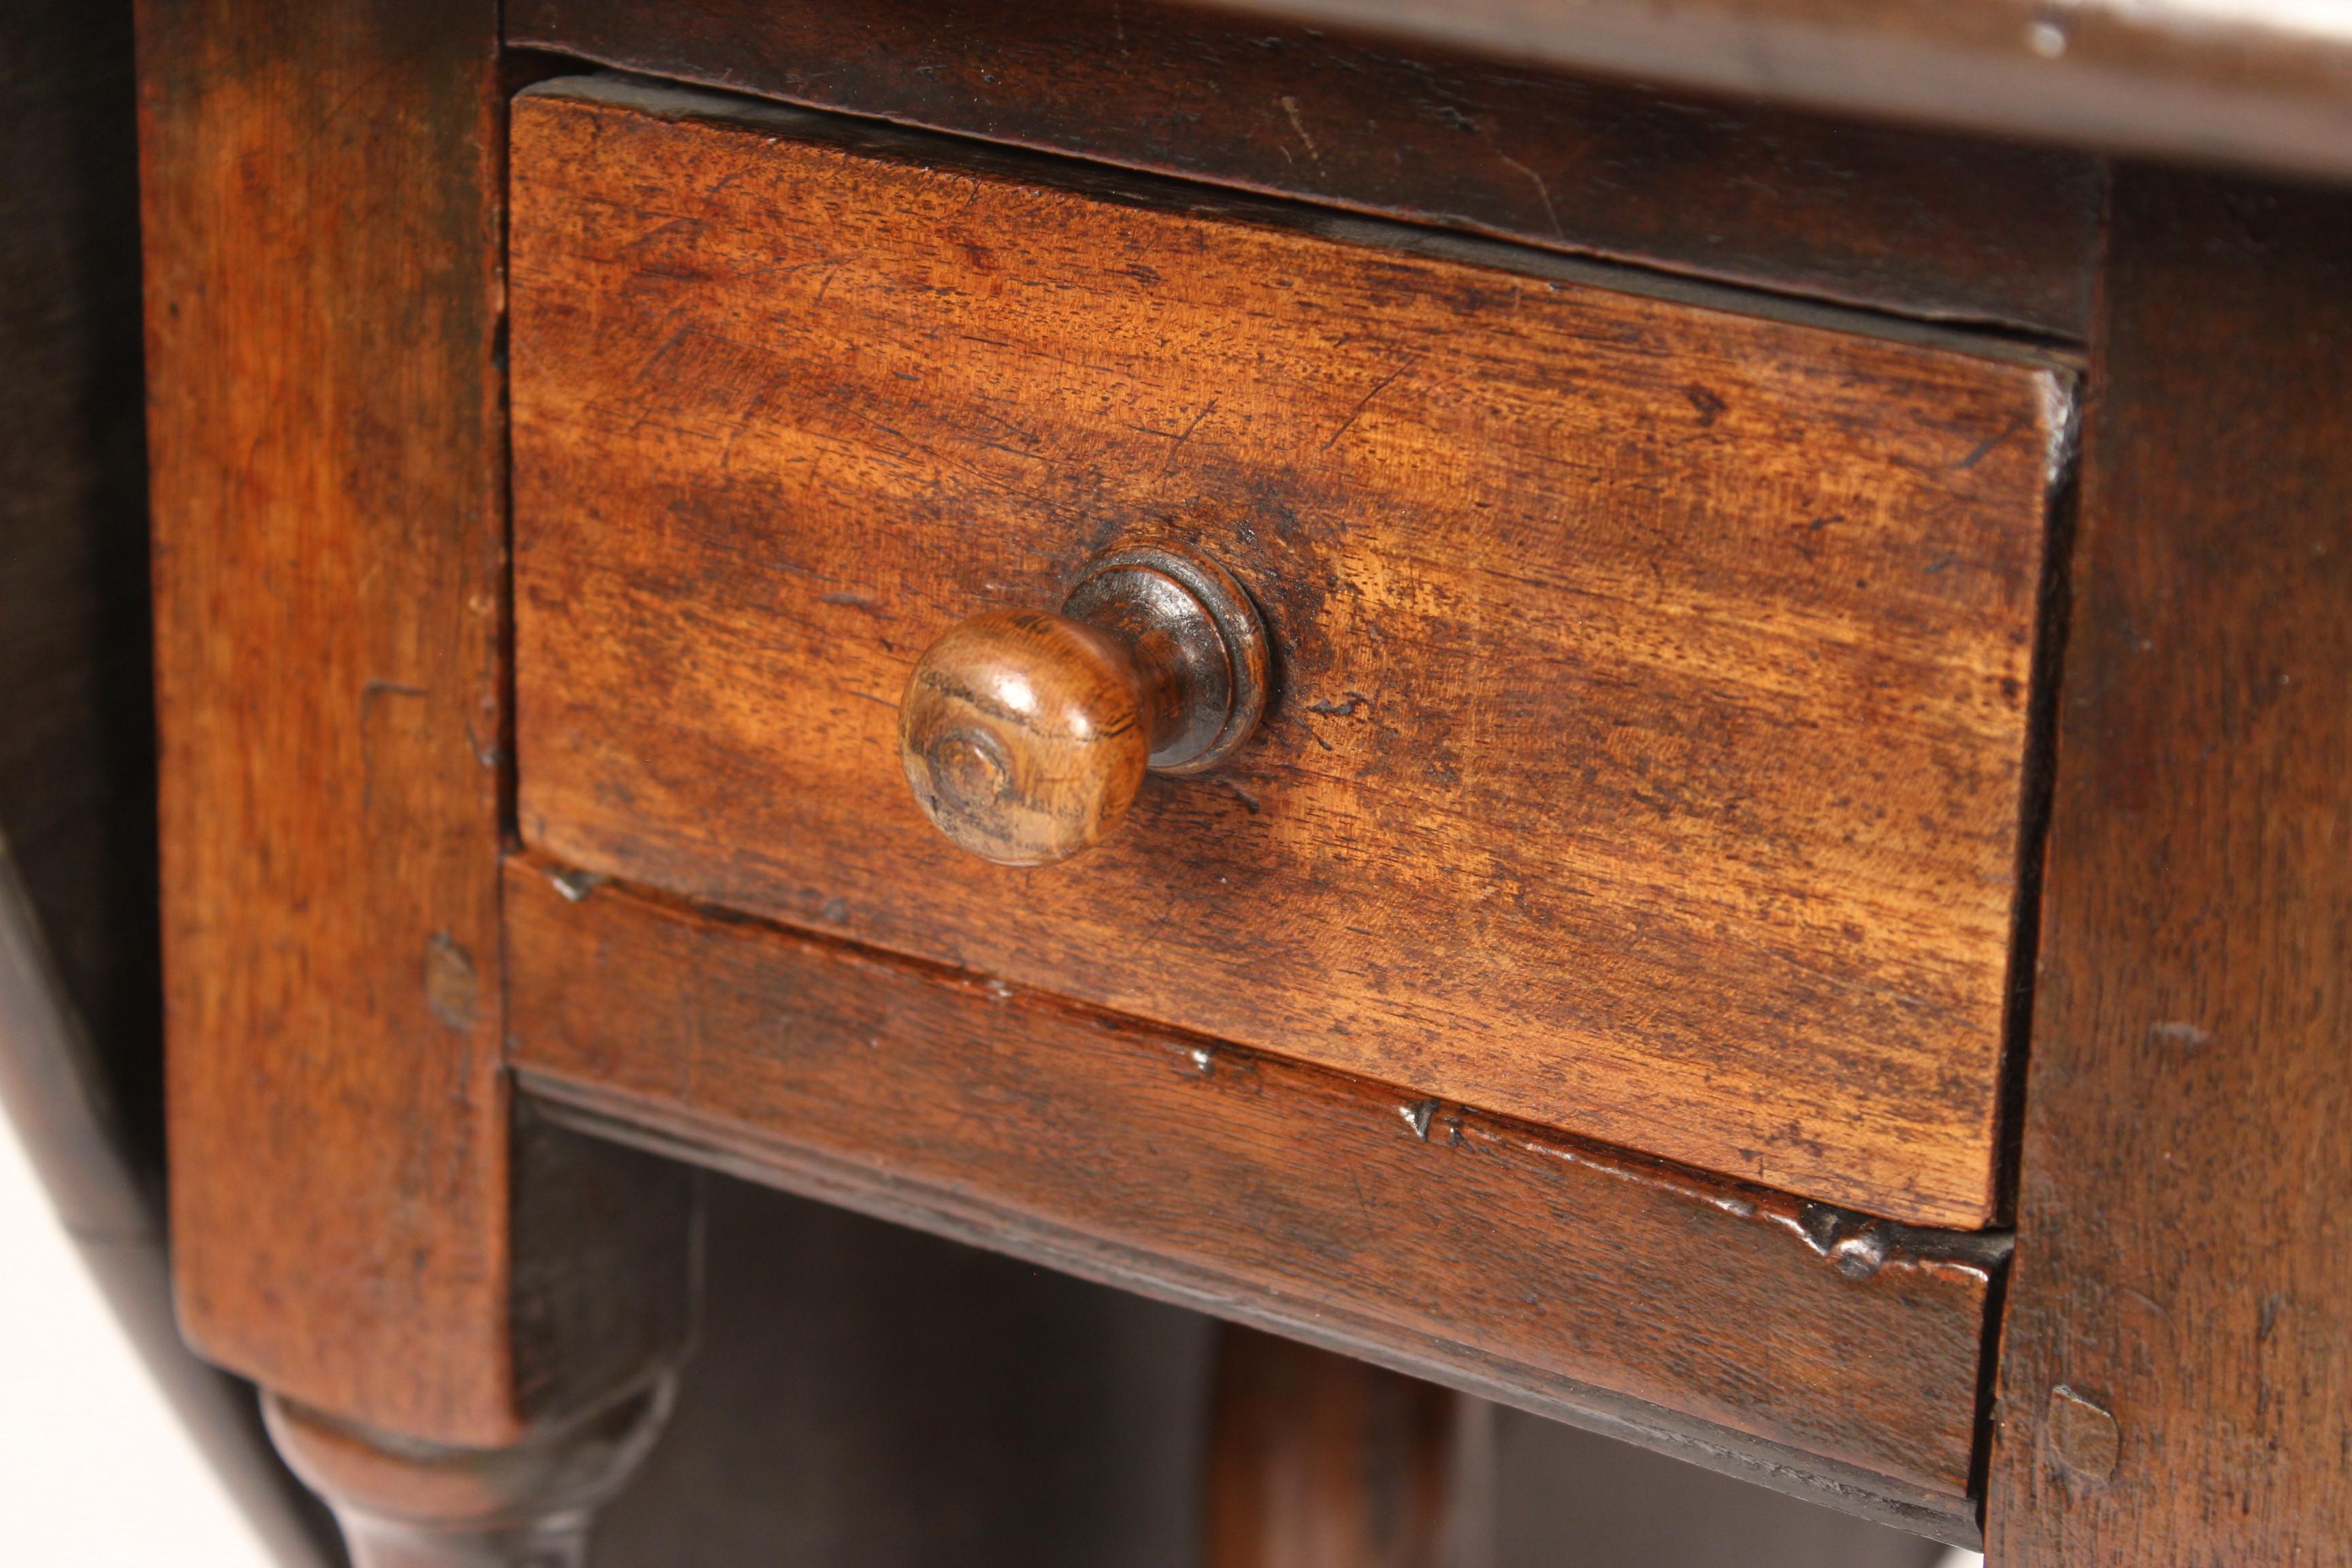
<point x="1026" y="734"/>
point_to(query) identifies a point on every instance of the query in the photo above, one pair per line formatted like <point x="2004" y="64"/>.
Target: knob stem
<point x="1025" y="735"/>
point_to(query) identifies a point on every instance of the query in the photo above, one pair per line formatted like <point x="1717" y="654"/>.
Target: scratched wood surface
<point x="327" y="517"/>
<point x="1945" y="226"/>
<point x="2177" y="1384"/>
<point x="1783" y="1341"/>
<point x="323" y="218"/>
<point x="1647" y="752"/>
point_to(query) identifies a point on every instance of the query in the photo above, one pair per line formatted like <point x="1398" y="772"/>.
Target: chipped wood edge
<point x="965" y="1218"/>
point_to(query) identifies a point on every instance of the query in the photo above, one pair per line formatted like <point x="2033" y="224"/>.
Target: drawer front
<point x="1647" y="745"/>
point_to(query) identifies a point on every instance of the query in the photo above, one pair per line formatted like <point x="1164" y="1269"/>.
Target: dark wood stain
<point x="1318" y="1461"/>
<point x="2177" y="1381"/>
<point x="1943" y="227"/>
<point x="77" y="732"/>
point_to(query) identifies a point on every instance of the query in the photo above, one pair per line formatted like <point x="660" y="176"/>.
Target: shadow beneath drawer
<point x="868" y="1396"/>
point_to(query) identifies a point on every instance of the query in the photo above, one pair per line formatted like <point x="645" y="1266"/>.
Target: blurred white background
<point x="94" y="1470"/>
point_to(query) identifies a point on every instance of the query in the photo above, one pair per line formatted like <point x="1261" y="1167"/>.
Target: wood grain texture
<point x="1031" y="784"/>
<point x="1940" y="227"/>
<point x="1646" y="749"/>
<point x="81" y="1057"/>
<point x="1782" y="1341"/>
<point x="327" y="544"/>
<point x="1025" y="736"/>
<point x="322" y="202"/>
<point x="2177" y="1385"/>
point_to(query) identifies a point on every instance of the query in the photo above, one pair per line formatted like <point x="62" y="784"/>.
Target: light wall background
<point x="95" y="1472"/>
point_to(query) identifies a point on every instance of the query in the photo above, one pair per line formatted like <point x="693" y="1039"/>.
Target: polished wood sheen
<point x="2177" y="1383"/>
<point x="1648" y="749"/>
<point x="358" y="1221"/>
<point x="321" y="217"/>
<point x="1030" y="783"/>
<point x="1025" y="736"/>
<point x="407" y="1504"/>
<point x="1781" y="1340"/>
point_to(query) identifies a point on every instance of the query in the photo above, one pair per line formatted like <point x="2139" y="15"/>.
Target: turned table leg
<point x="364" y="1220"/>
<point x="407" y="1504"/>
<point x="1318" y="1461"/>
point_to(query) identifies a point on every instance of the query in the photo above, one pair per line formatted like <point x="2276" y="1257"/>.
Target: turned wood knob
<point x="1026" y="734"/>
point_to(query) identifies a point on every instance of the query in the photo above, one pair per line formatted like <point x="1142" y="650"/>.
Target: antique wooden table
<point x="1644" y="710"/>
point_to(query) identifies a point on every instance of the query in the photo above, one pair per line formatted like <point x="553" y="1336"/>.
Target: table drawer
<point x="1646" y="752"/>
